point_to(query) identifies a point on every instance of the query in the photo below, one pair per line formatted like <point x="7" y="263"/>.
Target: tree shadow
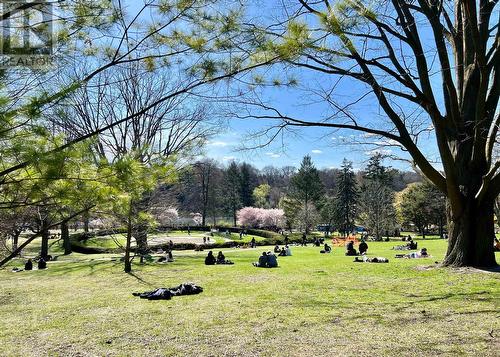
<point x="63" y="268"/>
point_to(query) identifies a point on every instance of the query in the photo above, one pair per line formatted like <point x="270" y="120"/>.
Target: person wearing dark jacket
<point x="272" y="261"/>
<point x="210" y="259"/>
<point x="263" y="259"/>
<point x="363" y="247"/>
<point x="42" y="264"/>
<point x="221" y="258"/>
<point x="28" y="265"/>
<point x="350" y="248"/>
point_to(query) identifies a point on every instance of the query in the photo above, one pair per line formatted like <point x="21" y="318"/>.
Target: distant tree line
<point x="340" y="198"/>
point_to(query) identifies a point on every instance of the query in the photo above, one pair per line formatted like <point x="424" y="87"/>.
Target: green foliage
<point x="346" y="198"/>
<point x="232" y="190"/>
<point x="377" y="212"/>
<point x="306" y="187"/>
<point x="421" y="204"/>
<point x="261" y="195"/>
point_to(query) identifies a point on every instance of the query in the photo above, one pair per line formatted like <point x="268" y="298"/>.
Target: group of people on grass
<point x="351" y="251"/>
<point x="267" y="260"/>
<point x="212" y="260"/>
<point x="41" y="264"/>
<point x="285" y="251"/>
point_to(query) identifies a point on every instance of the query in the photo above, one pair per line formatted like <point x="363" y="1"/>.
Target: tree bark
<point x="86" y="219"/>
<point x="15" y="239"/>
<point x="65" y="238"/>
<point x="141" y="238"/>
<point x="128" y="265"/>
<point x="44" y="250"/>
<point x="471" y="235"/>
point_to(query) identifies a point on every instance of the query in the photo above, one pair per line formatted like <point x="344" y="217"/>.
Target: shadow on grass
<point x="80" y="266"/>
<point x="141" y="280"/>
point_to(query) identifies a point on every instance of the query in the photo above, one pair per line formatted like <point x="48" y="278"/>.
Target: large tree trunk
<point x="65" y="237"/>
<point x="471" y="235"/>
<point x="44" y="250"/>
<point x="15" y="239"/>
<point x="128" y="264"/>
<point x="140" y="233"/>
<point x="86" y="219"/>
<point x="141" y="238"/>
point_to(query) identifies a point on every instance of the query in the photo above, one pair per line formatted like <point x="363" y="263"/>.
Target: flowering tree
<point x="197" y="218"/>
<point x="165" y="216"/>
<point x="260" y="217"/>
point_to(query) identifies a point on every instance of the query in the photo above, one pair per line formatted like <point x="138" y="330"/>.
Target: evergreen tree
<point x="307" y="188"/>
<point x="377" y="196"/>
<point x="232" y="190"/>
<point x="346" y="198"/>
<point x="247" y="184"/>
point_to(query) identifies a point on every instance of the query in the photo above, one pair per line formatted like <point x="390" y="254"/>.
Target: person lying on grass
<point x="411" y="245"/>
<point x="169" y="258"/>
<point x="422" y="254"/>
<point x="365" y="259"/>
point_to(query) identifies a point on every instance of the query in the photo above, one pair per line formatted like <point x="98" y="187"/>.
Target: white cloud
<point x="273" y="155"/>
<point x="316" y="151"/>
<point x="378" y="151"/>
<point x="228" y="158"/>
<point x="218" y="143"/>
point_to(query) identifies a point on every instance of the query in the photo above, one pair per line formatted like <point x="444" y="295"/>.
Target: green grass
<point x="312" y="305"/>
<point x="109" y="242"/>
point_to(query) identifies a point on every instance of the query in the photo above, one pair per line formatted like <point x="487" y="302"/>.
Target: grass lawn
<point x="312" y="305"/>
<point x="110" y="242"/>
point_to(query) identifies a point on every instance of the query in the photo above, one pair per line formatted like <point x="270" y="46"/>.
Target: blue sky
<point x="326" y="148"/>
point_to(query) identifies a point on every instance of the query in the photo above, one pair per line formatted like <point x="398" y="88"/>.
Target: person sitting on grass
<point x="210" y="259"/>
<point x="277" y="249"/>
<point x="411" y="244"/>
<point x="316" y="242"/>
<point x="272" y="261"/>
<point x="169" y="258"/>
<point x="282" y="252"/>
<point x="262" y="263"/>
<point x="363" y="247"/>
<point x="350" y="248"/>
<point x="288" y="251"/>
<point x="326" y="249"/>
<point x="42" y="264"/>
<point x="220" y="258"/>
<point x="28" y="265"/>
